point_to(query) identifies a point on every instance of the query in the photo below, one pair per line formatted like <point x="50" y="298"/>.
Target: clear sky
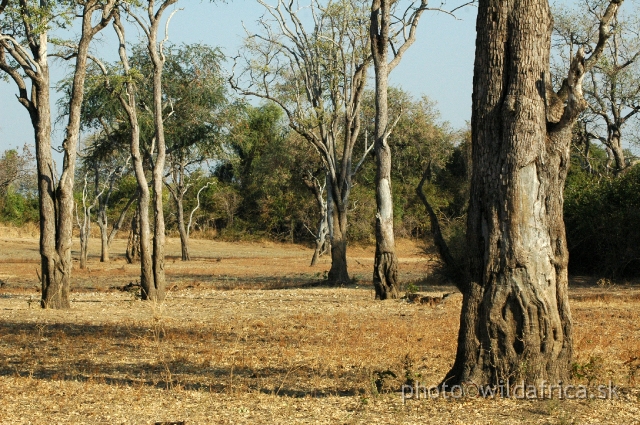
<point x="438" y="65"/>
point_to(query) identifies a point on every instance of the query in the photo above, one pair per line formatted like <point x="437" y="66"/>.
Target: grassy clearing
<point x="296" y="354"/>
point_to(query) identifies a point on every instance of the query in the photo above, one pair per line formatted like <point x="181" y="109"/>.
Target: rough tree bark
<point x="385" y="266"/>
<point x="515" y="322"/>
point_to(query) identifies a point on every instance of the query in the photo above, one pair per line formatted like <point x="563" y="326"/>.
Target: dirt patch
<point x="231" y="346"/>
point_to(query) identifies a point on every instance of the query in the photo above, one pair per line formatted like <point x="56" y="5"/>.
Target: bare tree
<point x="611" y="85"/>
<point x="24" y="56"/>
<point x="317" y="76"/>
<point x="515" y="322"/>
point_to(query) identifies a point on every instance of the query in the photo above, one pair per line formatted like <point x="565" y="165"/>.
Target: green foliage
<point x="18" y="209"/>
<point x="261" y="180"/>
<point x="18" y="194"/>
<point x="601" y="217"/>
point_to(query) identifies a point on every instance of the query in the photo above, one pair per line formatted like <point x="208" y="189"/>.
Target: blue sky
<point x="438" y="65"/>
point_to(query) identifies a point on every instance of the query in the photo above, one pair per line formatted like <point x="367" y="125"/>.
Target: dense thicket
<point x="602" y="215"/>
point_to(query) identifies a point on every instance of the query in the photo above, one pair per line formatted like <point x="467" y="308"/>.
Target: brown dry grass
<point x="247" y="336"/>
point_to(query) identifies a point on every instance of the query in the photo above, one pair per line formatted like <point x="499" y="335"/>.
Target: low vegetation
<point x="247" y="336"/>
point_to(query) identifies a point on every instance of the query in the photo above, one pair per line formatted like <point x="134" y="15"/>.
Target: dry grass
<point x="297" y="354"/>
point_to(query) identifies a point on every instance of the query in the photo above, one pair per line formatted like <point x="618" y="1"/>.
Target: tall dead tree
<point x="515" y="322"/>
<point x="317" y="74"/>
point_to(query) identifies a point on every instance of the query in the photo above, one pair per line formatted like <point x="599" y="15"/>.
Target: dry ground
<point x="248" y="336"/>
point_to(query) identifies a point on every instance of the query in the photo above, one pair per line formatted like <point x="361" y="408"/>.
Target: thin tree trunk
<point x="133" y="243"/>
<point x="85" y="231"/>
<point x="146" y="263"/>
<point x="323" y="222"/>
<point x="321" y="238"/>
<point x="184" y="236"/>
<point x="157" y="59"/>
<point x="118" y="224"/>
<point x="385" y="267"/>
<point x="104" y="240"/>
<point x="515" y="322"/>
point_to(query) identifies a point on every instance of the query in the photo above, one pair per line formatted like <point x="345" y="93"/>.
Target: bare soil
<point x="249" y="334"/>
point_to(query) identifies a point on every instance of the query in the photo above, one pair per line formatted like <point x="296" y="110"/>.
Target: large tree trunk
<point x="65" y="205"/>
<point x="54" y="271"/>
<point x="616" y="148"/>
<point x="515" y="322"/>
<point x="338" y="274"/>
<point x="385" y="267"/>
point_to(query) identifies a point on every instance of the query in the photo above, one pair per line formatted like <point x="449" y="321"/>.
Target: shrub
<point x="601" y="218"/>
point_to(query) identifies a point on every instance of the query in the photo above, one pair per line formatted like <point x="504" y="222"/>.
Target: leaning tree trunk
<point x="385" y="267"/>
<point x="118" y="224"/>
<point x="515" y="322"/>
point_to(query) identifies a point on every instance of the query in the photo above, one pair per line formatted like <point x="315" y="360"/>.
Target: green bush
<point x="602" y="218"/>
<point x="18" y="209"/>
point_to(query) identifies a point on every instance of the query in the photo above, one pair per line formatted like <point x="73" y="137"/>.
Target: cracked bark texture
<point x="515" y="321"/>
